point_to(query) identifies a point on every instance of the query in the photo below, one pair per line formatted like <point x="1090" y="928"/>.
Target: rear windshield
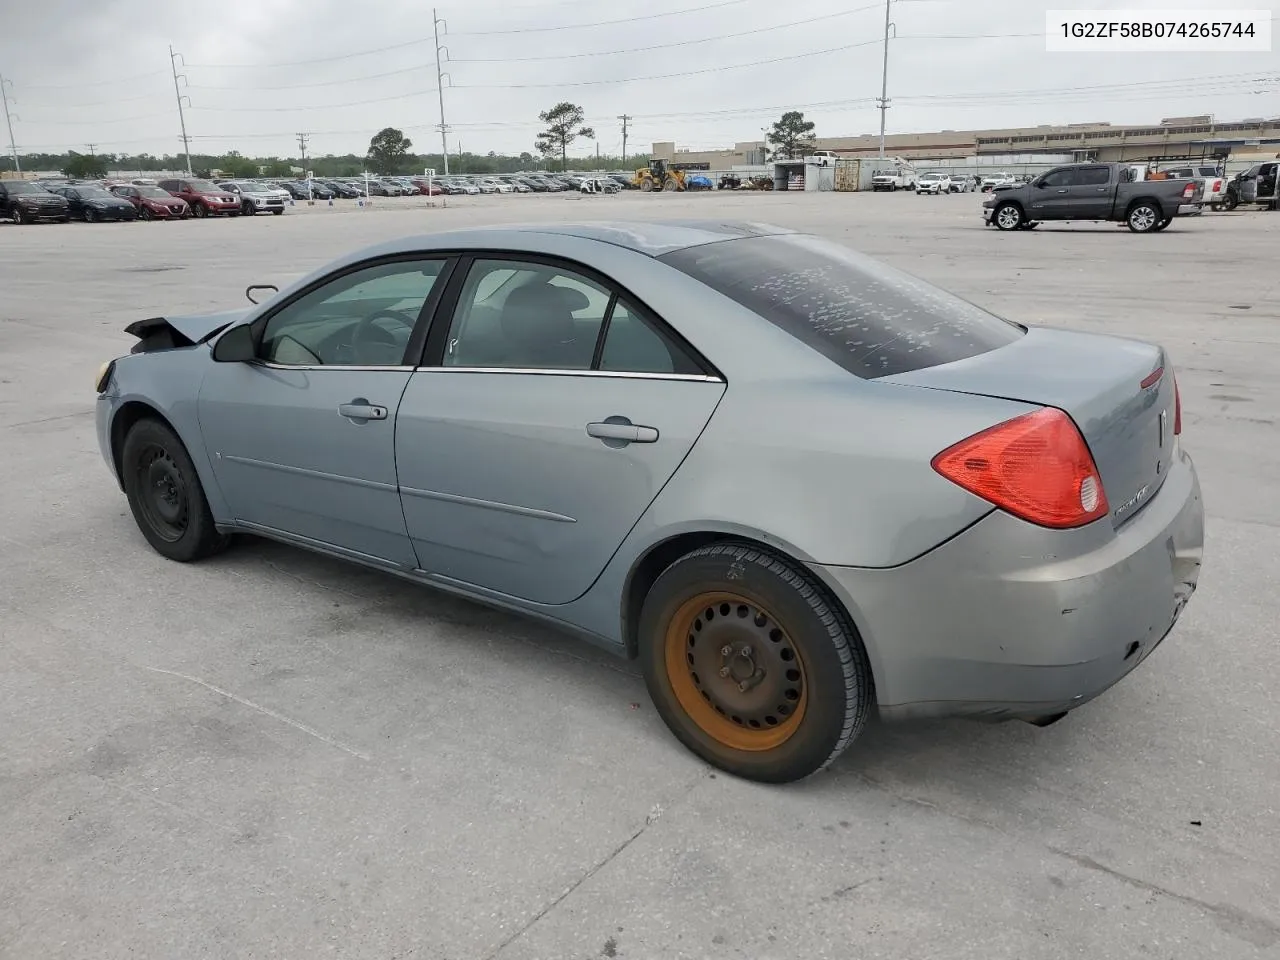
<point x="872" y="320"/>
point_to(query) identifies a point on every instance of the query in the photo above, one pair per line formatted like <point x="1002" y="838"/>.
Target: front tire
<point x="750" y="666"/>
<point x="1008" y="216"/>
<point x="166" y="496"/>
<point x="276" y="213"/>
<point x="1144" y="217"/>
<point x="18" y="217"/>
<point x="199" y="211"/>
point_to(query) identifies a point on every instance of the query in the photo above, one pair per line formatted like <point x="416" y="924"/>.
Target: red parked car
<point x="433" y="190"/>
<point x="152" y="202"/>
<point x="204" y="198"/>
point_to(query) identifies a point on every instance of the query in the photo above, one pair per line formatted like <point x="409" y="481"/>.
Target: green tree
<point x="564" y="125"/>
<point x="792" y="135"/>
<point x="388" y="150"/>
<point x="236" y="166"/>
<point x="82" y="166"/>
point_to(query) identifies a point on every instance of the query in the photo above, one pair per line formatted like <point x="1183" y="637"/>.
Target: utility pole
<point x="624" y="118"/>
<point x="440" y="75"/>
<point x="884" y="78"/>
<point x="8" y="119"/>
<point x="302" y="148"/>
<point x="186" y="142"/>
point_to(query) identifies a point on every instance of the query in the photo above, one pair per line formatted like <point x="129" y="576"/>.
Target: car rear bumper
<point x="1011" y="620"/>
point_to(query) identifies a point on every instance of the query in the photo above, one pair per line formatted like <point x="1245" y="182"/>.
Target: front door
<point x="555" y="416"/>
<point x="302" y="440"/>
<point x="1051" y="196"/>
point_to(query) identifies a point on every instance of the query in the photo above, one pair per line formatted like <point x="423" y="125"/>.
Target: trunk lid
<point x="1120" y="393"/>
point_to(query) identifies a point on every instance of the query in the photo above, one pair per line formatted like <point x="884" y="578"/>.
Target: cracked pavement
<point x="272" y="754"/>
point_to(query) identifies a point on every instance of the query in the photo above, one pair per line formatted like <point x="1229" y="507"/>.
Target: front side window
<point x="364" y="318"/>
<point x="1060" y="178"/>
<point x="870" y="319"/>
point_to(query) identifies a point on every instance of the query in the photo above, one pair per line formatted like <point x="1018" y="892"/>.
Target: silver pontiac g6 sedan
<point x="791" y="481"/>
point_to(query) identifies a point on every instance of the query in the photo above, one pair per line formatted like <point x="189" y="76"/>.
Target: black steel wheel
<point x="751" y="665"/>
<point x="165" y="494"/>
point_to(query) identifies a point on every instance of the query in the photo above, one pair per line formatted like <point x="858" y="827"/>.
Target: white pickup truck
<point x="1215" y="184"/>
<point x="902" y="176"/>
<point x="1001" y="179"/>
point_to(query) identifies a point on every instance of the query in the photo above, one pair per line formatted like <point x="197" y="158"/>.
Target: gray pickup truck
<point x="1094" y="191"/>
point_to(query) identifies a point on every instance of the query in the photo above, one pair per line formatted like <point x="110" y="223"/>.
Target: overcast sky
<point x="98" y="73"/>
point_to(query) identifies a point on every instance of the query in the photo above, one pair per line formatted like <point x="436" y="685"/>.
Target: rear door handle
<point x="361" y="409"/>
<point x="1063" y="190"/>
<point x="622" y="431"/>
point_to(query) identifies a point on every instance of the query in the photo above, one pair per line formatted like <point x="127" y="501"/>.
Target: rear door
<point x="552" y="410"/>
<point x="1089" y="195"/>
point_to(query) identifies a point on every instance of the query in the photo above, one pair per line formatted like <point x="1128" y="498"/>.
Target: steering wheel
<point x="368" y="325"/>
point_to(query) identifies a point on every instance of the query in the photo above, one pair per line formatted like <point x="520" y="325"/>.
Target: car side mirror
<point x="236" y="346"/>
<point x="248" y="291"/>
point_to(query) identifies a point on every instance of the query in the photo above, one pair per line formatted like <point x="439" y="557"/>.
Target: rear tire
<point x="166" y="496"/>
<point x="1144" y="217"/>
<point x="750" y="665"/>
<point x="276" y="213"/>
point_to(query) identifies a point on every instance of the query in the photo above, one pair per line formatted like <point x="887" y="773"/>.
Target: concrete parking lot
<point x="275" y="755"/>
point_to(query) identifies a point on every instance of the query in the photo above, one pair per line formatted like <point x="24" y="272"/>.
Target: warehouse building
<point x="1174" y="136"/>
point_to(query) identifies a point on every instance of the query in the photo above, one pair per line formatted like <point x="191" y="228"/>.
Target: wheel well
<point x="1010" y="203"/>
<point x="1138" y="200"/>
<point x="647" y="570"/>
<point x="122" y="423"/>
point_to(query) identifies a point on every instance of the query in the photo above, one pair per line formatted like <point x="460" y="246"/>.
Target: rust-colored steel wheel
<point x="735" y="672"/>
<point x="751" y="663"/>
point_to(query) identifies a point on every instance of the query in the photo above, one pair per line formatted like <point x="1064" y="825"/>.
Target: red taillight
<point x="1188" y="191"/>
<point x="1036" y="466"/>
<point x="1177" y="408"/>
<point x="1217" y="186"/>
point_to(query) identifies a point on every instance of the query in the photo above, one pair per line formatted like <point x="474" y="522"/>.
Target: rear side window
<point x="872" y="320"/>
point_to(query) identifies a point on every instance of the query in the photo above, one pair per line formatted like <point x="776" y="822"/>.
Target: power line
<point x="320" y="83"/>
<point x="307" y="63"/>
<point x="664" y="76"/>
<point x="319" y="106"/>
<point x="96" y="82"/>
<point x="674" y="43"/>
<point x="601" y="23"/>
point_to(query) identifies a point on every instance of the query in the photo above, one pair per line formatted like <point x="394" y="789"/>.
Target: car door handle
<point x="1063" y="190"/>
<point x="623" y="430"/>
<point x="362" y="410"/>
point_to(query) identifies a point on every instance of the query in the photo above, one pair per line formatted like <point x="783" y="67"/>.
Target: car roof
<point x="651" y="238"/>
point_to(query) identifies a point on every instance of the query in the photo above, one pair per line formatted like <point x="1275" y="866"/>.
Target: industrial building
<point x="1175" y="136"/>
